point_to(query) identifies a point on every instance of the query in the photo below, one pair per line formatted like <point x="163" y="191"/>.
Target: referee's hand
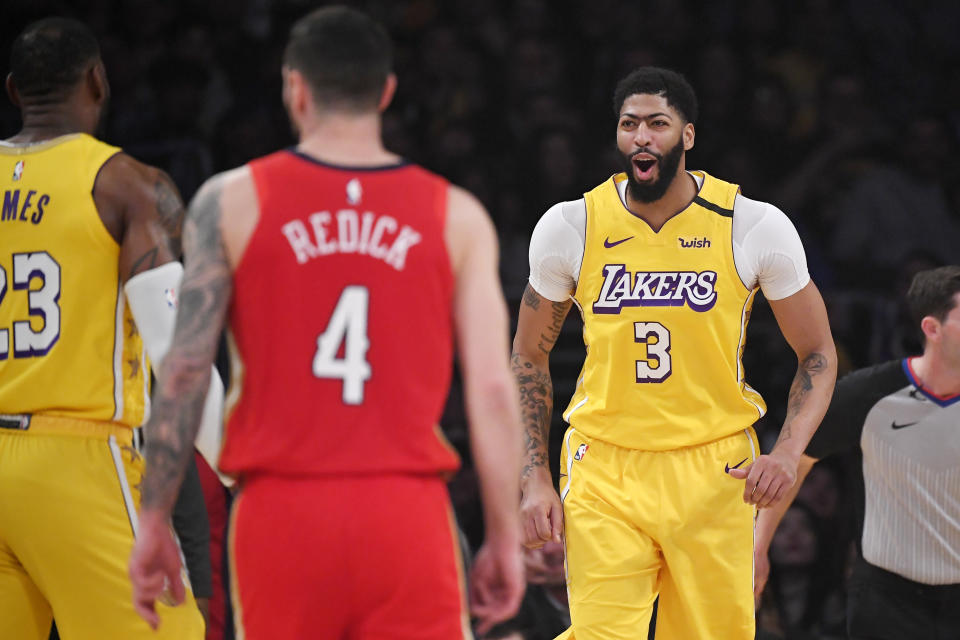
<point x="768" y="479"/>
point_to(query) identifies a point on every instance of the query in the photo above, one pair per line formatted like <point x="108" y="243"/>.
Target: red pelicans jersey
<point x="341" y="323"/>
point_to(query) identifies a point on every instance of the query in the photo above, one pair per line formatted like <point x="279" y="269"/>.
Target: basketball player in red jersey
<point x="345" y="276"/>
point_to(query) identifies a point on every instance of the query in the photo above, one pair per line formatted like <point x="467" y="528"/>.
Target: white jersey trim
<point x="118" y="337"/>
<point x="767" y="251"/>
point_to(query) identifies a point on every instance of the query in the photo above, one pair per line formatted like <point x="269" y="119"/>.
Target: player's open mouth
<point x="643" y="167"/>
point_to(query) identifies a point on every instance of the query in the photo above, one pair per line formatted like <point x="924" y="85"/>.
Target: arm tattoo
<point x="536" y="387"/>
<point x="536" y="405"/>
<point x="145" y="262"/>
<point x="558" y="313"/>
<point x="530" y="298"/>
<point x="169" y="210"/>
<point x="185" y="374"/>
<point x="813" y="365"/>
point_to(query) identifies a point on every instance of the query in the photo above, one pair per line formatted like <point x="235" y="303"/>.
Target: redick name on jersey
<point x="346" y="231"/>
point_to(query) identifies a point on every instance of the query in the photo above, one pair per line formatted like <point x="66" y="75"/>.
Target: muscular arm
<point x="803" y="320"/>
<point x="482" y="331"/>
<point x="184" y="375"/>
<point x="538" y="328"/>
<point x="480" y="319"/>
<point x="141" y="208"/>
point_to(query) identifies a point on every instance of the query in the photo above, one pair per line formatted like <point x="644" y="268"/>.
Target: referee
<point x="904" y="417"/>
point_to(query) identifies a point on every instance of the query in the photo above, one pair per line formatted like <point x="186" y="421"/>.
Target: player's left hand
<point x="155" y="568"/>
<point x="768" y="479"/>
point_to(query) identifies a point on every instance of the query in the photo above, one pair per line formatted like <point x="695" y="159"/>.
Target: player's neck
<point x="936" y="375"/>
<point x="46" y="122"/>
<point x="678" y="197"/>
<point x="345" y="139"/>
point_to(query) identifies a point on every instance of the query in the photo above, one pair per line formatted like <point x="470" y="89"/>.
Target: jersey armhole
<point x="98" y="228"/>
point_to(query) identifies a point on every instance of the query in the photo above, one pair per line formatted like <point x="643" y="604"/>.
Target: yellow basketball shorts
<point x="69" y="490"/>
<point x="639" y="524"/>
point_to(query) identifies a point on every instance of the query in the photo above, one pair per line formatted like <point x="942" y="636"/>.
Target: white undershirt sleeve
<point x="556" y="250"/>
<point x="767" y="249"/>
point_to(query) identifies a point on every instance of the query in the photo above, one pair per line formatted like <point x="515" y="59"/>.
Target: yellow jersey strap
<point x="716" y="195"/>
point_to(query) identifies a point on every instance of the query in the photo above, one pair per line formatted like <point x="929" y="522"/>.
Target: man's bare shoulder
<point x="123" y="177"/>
<point x="127" y="189"/>
<point x="464" y="210"/>
<point x="469" y="227"/>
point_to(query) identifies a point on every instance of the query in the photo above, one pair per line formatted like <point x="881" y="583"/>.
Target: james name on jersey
<point x="29" y="210"/>
<point x="655" y="289"/>
<point x="370" y="234"/>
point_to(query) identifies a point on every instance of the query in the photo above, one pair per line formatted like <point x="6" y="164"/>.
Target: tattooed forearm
<point x="536" y="404"/>
<point x="803" y="382"/>
<point x="536" y="338"/>
<point x="185" y="374"/>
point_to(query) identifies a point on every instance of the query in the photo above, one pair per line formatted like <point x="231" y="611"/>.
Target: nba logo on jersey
<point x="581" y="451"/>
<point x="18" y="170"/>
<point x="171" y="297"/>
<point x="354" y="191"/>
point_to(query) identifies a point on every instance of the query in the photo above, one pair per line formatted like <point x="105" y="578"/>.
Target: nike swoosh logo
<point x="727" y="467"/>
<point x="610" y="245"/>
<point x="902" y="426"/>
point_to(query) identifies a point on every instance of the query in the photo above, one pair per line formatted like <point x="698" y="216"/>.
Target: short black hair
<point x="343" y="54"/>
<point x="49" y="56"/>
<point x="658" y="82"/>
<point x="932" y="292"/>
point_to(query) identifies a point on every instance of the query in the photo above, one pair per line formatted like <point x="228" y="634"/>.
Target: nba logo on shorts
<point x="581" y="451"/>
<point x="17" y="170"/>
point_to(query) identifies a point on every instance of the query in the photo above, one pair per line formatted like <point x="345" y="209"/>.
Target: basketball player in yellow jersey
<point x="661" y="474"/>
<point x="80" y="219"/>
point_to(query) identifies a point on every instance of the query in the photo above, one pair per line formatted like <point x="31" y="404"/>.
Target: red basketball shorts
<point x="346" y="558"/>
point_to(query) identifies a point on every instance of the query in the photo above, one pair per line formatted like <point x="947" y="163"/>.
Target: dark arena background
<point x="843" y="113"/>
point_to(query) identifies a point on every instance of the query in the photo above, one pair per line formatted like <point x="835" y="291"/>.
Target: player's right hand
<point x="541" y="513"/>
<point x="496" y="583"/>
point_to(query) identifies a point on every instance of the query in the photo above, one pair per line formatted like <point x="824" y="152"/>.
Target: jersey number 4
<point x="347" y="328"/>
<point x="42" y="303"/>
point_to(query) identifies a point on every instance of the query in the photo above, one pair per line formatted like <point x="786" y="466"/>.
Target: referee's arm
<point x="767" y="521"/>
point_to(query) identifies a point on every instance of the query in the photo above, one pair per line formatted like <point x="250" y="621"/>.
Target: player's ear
<point x="389" y="88"/>
<point x="296" y="93"/>
<point x="689" y="133"/>
<point x="12" y="92"/>
<point x="99" y="86"/>
<point x="94" y="84"/>
<point x="930" y="327"/>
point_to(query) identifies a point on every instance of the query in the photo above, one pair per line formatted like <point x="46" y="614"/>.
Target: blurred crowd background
<point x="843" y="113"/>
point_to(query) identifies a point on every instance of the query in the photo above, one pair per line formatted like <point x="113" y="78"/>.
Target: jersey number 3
<point x="42" y="302"/>
<point x="657" y="367"/>
<point x="347" y="327"/>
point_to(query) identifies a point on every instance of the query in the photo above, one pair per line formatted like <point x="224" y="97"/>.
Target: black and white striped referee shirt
<point x="910" y="444"/>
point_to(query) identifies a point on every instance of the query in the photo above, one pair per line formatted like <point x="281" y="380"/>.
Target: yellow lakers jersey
<point x="68" y="344"/>
<point x="665" y="316"/>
